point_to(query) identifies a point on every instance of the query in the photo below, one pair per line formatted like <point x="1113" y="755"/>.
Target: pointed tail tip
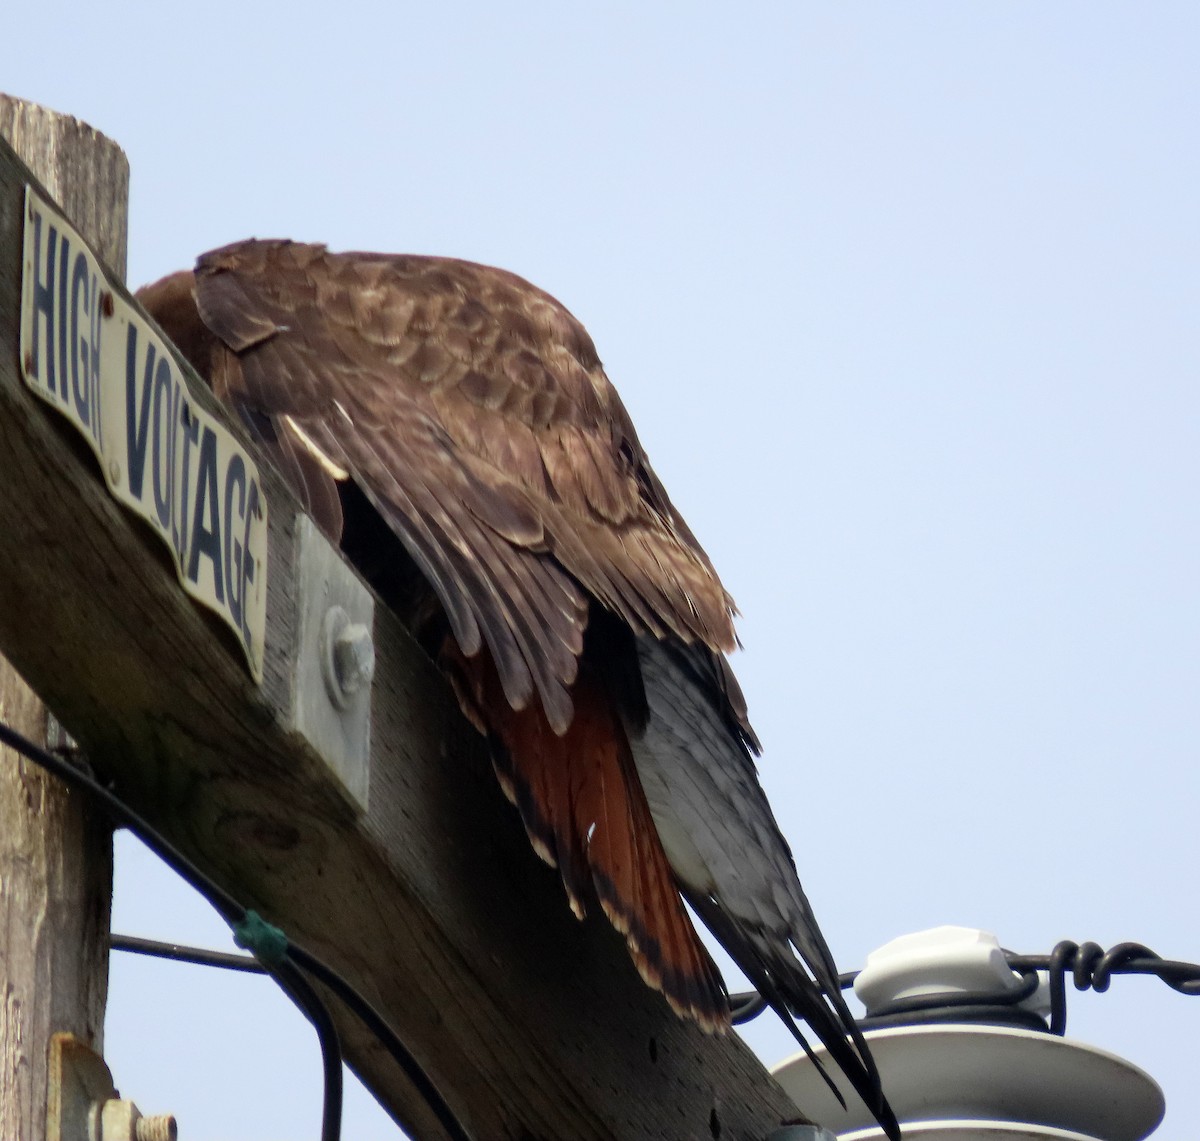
<point x="890" y="1125"/>
<point x="878" y="1106"/>
<point x="854" y="1059"/>
<point x="881" y="1109"/>
<point x="885" y="1117"/>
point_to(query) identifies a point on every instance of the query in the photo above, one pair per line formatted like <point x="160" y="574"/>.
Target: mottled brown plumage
<point x="452" y="425"/>
<point x="474" y="411"/>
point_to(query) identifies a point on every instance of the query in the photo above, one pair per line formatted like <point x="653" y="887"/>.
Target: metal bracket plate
<point x="331" y="690"/>
<point x="79" y="1081"/>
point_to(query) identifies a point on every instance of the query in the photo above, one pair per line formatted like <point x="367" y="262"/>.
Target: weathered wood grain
<point x="55" y="849"/>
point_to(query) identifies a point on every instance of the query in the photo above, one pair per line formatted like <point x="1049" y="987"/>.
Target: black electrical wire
<point x="992" y="1008"/>
<point x="378" y="1025"/>
<point x="745" y="1006"/>
<point x="1091" y="968"/>
<point x="287" y="974"/>
<point x="292" y="982"/>
<point x="201" y="956"/>
<point x="177" y="952"/>
<point x="229" y="909"/>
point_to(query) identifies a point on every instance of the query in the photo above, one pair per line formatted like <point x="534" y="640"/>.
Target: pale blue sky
<point x="902" y="297"/>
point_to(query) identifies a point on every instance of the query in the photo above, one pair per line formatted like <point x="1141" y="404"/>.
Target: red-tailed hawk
<point x="452" y="425"/>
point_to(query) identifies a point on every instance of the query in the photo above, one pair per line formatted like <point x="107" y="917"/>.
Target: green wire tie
<point x="266" y="942"/>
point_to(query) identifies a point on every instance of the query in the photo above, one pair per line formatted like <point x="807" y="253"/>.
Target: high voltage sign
<point x="91" y="356"/>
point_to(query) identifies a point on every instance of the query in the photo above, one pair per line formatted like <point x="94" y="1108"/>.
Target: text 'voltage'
<point x="89" y="354"/>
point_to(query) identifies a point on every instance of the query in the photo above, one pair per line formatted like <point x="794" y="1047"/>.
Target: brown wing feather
<point x="492" y="388"/>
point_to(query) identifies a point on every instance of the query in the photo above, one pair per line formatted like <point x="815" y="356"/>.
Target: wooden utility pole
<point x="55" y="849"/>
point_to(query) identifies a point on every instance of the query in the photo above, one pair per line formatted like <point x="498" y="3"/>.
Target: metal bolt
<point x="118" y="1119"/>
<point x="354" y="657"/>
<point x="347" y="656"/>
<point x="157" y="1127"/>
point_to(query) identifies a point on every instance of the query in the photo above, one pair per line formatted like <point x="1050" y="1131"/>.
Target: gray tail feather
<point x="788" y="990"/>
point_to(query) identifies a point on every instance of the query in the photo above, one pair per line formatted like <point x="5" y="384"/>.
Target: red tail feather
<point x="586" y="814"/>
